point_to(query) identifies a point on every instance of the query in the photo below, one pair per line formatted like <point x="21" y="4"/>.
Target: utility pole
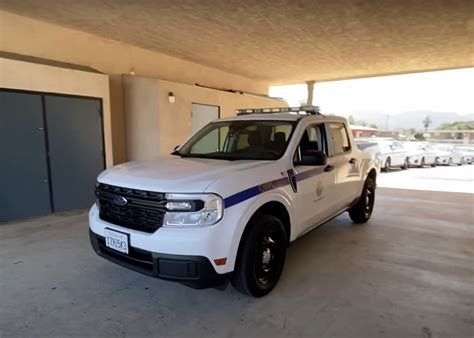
<point x="386" y="121"/>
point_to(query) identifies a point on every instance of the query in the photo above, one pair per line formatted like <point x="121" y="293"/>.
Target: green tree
<point x="427" y="122"/>
<point x="351" y="120"/>
<point x="419" y="136"/>
<point x="373" y="125"/>
<point x="458" y="125"/>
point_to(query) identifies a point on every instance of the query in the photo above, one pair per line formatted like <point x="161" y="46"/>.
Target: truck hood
<point x="175" y="174"/>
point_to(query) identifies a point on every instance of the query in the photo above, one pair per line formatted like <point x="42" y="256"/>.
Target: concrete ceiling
<point x="280" y="41"/>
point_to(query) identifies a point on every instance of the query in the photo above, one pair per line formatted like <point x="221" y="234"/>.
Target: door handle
<point x="352" y="160"/>
<point x="329" y="168"/>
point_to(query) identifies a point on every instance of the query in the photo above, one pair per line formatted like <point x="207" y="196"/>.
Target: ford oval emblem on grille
<point x="119" y="200"/>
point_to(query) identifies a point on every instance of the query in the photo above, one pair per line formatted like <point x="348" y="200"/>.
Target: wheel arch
<point x="274" y="208"/>
<point x="373" y="175"/>
<point x="279" y="201"/>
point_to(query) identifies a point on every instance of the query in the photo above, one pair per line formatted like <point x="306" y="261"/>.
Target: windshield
<point x="444" y="148"/>
<point x="239" y="140"/>
<point x="414" y="146"/>
<point x="365" y="145"/>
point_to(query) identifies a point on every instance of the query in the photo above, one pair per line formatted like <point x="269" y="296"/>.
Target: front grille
<point x="143" y="210"/>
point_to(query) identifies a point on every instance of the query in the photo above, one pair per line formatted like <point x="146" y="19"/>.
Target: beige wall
<point x="162" y="125"/>
<point x="176" y="120"/>
<point x="35" y="77"/>
<point x="141" y="117"/>
<point x="27" y="36"/>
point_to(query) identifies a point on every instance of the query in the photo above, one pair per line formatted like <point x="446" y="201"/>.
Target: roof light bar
<point x="311" y="110"/>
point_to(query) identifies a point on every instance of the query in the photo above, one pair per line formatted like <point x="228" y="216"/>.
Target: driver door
<point x="315" y="200"/>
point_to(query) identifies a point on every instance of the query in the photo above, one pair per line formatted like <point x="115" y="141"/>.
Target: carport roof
<point x="281" y="41"/>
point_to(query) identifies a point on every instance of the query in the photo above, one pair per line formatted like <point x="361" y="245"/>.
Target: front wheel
<point x="405" y="164"/>
<point x="261" y="257"/>
<point x="361" y="212"/>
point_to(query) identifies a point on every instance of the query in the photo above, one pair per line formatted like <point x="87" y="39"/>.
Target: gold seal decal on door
<point x="319" y="188"/>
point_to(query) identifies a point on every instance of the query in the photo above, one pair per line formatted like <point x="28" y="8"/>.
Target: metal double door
<point x="51" y="151"/>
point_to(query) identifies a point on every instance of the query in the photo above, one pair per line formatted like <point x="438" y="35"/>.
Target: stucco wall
<point x="162" y="125"/>
<point x="41" y="78"/>
<point x="176" y="120"/>
<point x="141" y="117"/>
<point x="27" y="36"/>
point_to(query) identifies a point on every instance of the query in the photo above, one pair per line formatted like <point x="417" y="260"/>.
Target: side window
<point x="284" y="128"/>
<point x="339" y="138"/>
<point x="313" y="139"/>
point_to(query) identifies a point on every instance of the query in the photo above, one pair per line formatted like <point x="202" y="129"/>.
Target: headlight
<point x="184" y="210"/>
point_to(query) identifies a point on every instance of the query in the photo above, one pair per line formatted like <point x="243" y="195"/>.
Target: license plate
<point x="116" y="240"/>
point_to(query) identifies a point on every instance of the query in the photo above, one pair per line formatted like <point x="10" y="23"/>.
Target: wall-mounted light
<point x="171" y="97"/>
<point x="132" y="71"/>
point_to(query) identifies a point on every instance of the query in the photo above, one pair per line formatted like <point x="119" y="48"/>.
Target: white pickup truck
<point x="225" y="205"/>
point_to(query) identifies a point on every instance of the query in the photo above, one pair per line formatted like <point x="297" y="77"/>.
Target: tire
<point x="361" y="212"/>
<point x="405" y="164"/>
<point x="386" y="166"/>
<point x="422" y="163"/>
<point x="261" y="256"/>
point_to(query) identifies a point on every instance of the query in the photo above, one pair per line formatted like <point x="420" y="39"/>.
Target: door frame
<point x="206" y="104"/>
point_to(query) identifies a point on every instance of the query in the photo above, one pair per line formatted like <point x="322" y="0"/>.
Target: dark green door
<point x="76" y="153"/>
<point x="24" y="186"/>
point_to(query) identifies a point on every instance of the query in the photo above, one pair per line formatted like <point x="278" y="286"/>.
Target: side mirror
<point x="312" y="158"/>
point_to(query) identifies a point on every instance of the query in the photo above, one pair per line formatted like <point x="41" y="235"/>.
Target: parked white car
<point x="226" y="204"/>
<point x="447" y="155"/>
<point x="373" y="149"/>
<point x="392" y="153"/>
<point x="467" y="153"/>
<point x="420" y="154"/>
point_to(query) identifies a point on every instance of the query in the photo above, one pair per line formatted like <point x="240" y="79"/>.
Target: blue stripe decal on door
<point x="267" y="186"/>
<point x="309" y="173"/>
<point x="242" y="196"/>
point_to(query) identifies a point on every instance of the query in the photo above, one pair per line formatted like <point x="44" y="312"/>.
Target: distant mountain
<point x="411" y="119"/>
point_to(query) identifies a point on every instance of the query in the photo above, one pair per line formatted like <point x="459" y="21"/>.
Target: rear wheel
<point x="361" y="212"/>
<point x="405" y="164"/>
<point x="422" y="163"/>
<point x="387" y="164"/>
<point x="261" y="257"/>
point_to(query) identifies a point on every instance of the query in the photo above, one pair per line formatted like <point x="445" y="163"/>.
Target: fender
<point x="251" y="206"/>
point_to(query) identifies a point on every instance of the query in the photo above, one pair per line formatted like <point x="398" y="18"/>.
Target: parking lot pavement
<point x="454" y="178"/>
<point x="407" y="273"/>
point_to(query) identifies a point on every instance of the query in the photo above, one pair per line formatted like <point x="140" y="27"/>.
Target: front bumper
<point x="442" y="160"/>
<point x="414" y="161"/>
<point x="193" y="271"/>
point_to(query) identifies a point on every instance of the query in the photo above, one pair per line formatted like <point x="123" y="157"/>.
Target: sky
<point x="440" y="91"/>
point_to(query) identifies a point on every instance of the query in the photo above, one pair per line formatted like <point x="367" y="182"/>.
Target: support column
<point x="310" y="86"/>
